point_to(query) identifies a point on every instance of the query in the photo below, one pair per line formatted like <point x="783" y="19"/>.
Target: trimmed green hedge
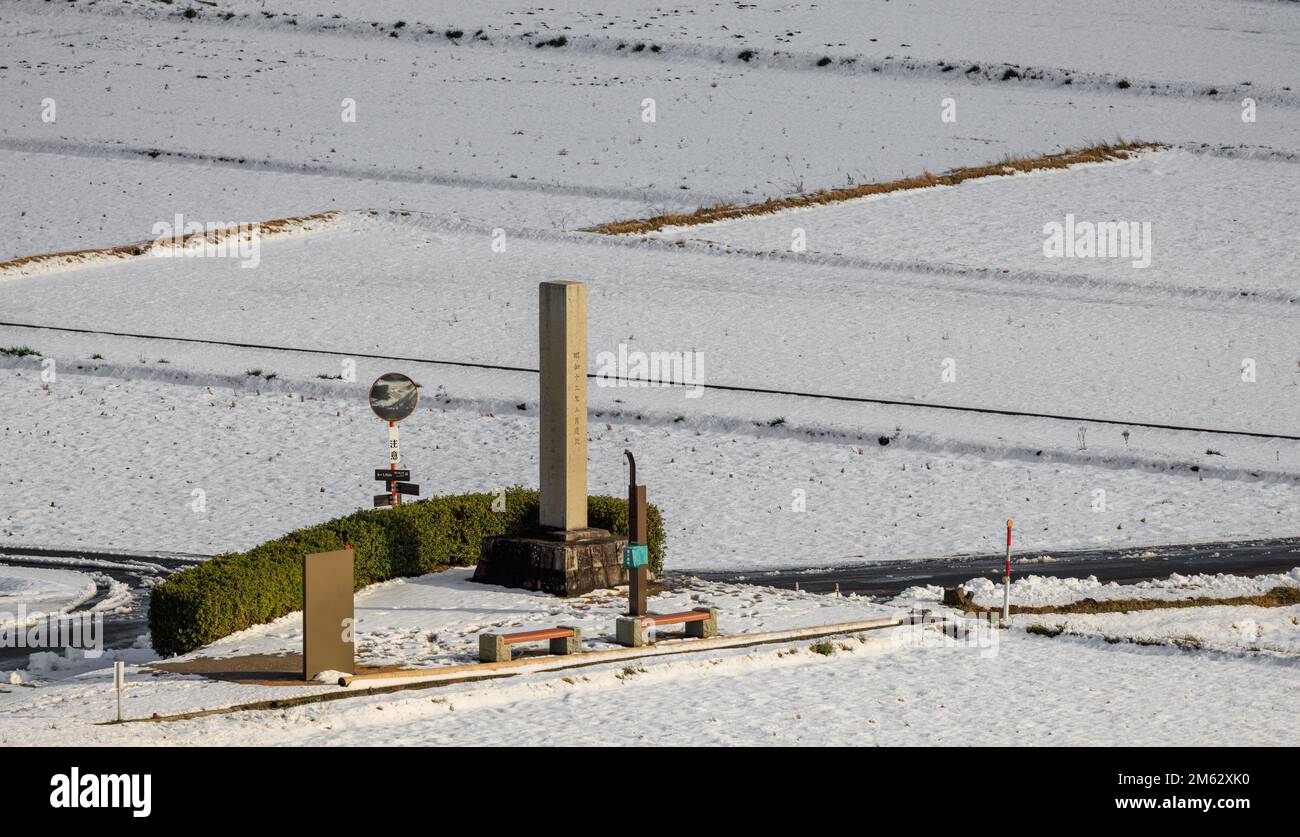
<point x="237" y="590"/>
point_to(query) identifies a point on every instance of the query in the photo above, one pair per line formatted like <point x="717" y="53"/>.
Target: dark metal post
<point x="637" y="525"/>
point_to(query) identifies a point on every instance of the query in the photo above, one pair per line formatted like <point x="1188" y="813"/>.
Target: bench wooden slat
<point x="674" y="618"/>
<point x="537" y="636"/>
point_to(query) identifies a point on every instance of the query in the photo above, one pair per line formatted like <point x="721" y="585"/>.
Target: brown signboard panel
<point x="327" y="615"/>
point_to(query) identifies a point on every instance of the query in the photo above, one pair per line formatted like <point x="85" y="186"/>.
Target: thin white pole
<point x="119" y="677"/>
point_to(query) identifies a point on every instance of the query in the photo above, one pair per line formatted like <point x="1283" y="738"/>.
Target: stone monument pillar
<point x="562" y="356"/>
<point x="563" y="556"/>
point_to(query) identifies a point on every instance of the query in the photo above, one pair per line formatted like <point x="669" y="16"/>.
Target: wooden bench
<point x="495" y="648"/>
<point x="700" y="623"/>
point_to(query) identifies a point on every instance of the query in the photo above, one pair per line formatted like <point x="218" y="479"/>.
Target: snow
<point x="758" y="328"/>
<point x="430" y="621"/>
<point x="899" y="686"/>
<point x="47" y="668"/>
<point x="745" y="456"/>
<point x="435" y="620"/>
<point x="40" y="592"/>
<point x="177" y="450"/>
<point x="128" y="209"/>
<point x="1204" y="42"/>
<point x="1251" y="630"/>
<point x="1031" y="692"/>
<point x="1219" y="225"/>
<point x="143" y="488"/>
<point x="488" y="131"/>
<point x="1044" y="591"/>
<point x="1227" y="628"/>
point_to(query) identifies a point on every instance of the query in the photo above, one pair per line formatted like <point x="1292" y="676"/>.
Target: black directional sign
<point x="390" y="474"/>
<point x="408" y="488"/>
<point x="383" y="500"/>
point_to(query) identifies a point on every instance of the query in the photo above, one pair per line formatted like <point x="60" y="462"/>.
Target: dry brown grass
<point x="1277" y="597"/>
<point x="141" y="248"/>
<point x="1010" y="165"/>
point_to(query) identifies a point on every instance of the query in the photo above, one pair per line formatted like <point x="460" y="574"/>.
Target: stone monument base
<point x="565" y="563"/>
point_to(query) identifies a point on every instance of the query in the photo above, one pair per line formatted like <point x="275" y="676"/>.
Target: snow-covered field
<point x="1045" y="691"/>
<point x="486" y="138"/>
<point x="745" y="456"/>
<point x="484" y="128"/>
<point x="149" y="488"/>
<point x="1221" y="228"/>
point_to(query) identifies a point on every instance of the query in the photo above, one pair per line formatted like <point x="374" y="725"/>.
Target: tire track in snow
<point x="1075" y="286"/>
<point x="249" y="162"/>
<point x="856" y="433"/>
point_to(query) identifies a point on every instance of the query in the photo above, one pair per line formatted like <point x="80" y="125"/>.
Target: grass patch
<point x="1008" y="166"/>
<point x="1186" y="642"/>
<point x="825" y="648"/>
<point x="1277" y="597"/>
<point x="143" y="248"/>
<point x="20" y="351"/>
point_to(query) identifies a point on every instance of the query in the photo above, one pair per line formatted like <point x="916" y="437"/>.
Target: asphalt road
<point x="886" y="578"/>
<point x="137" y="571"/>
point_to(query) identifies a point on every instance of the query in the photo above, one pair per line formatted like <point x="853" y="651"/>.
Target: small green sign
<point x="635" y="555"/>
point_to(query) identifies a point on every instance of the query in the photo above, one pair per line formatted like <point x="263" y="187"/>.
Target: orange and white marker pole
<point x="394" y="456"/>
<point x="1006" y="580"/>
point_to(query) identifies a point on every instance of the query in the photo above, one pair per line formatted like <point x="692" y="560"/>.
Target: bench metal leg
<point x="492" y="648"/>
<point x="705" y="628"/>
<point x="628" y="631"/>
<point x="568" y="644"/>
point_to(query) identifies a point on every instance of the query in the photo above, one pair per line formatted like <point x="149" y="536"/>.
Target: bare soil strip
<point x="1008" y="166"/>
<point x="1277" y="597"/>
<point x="68" y="258"/>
